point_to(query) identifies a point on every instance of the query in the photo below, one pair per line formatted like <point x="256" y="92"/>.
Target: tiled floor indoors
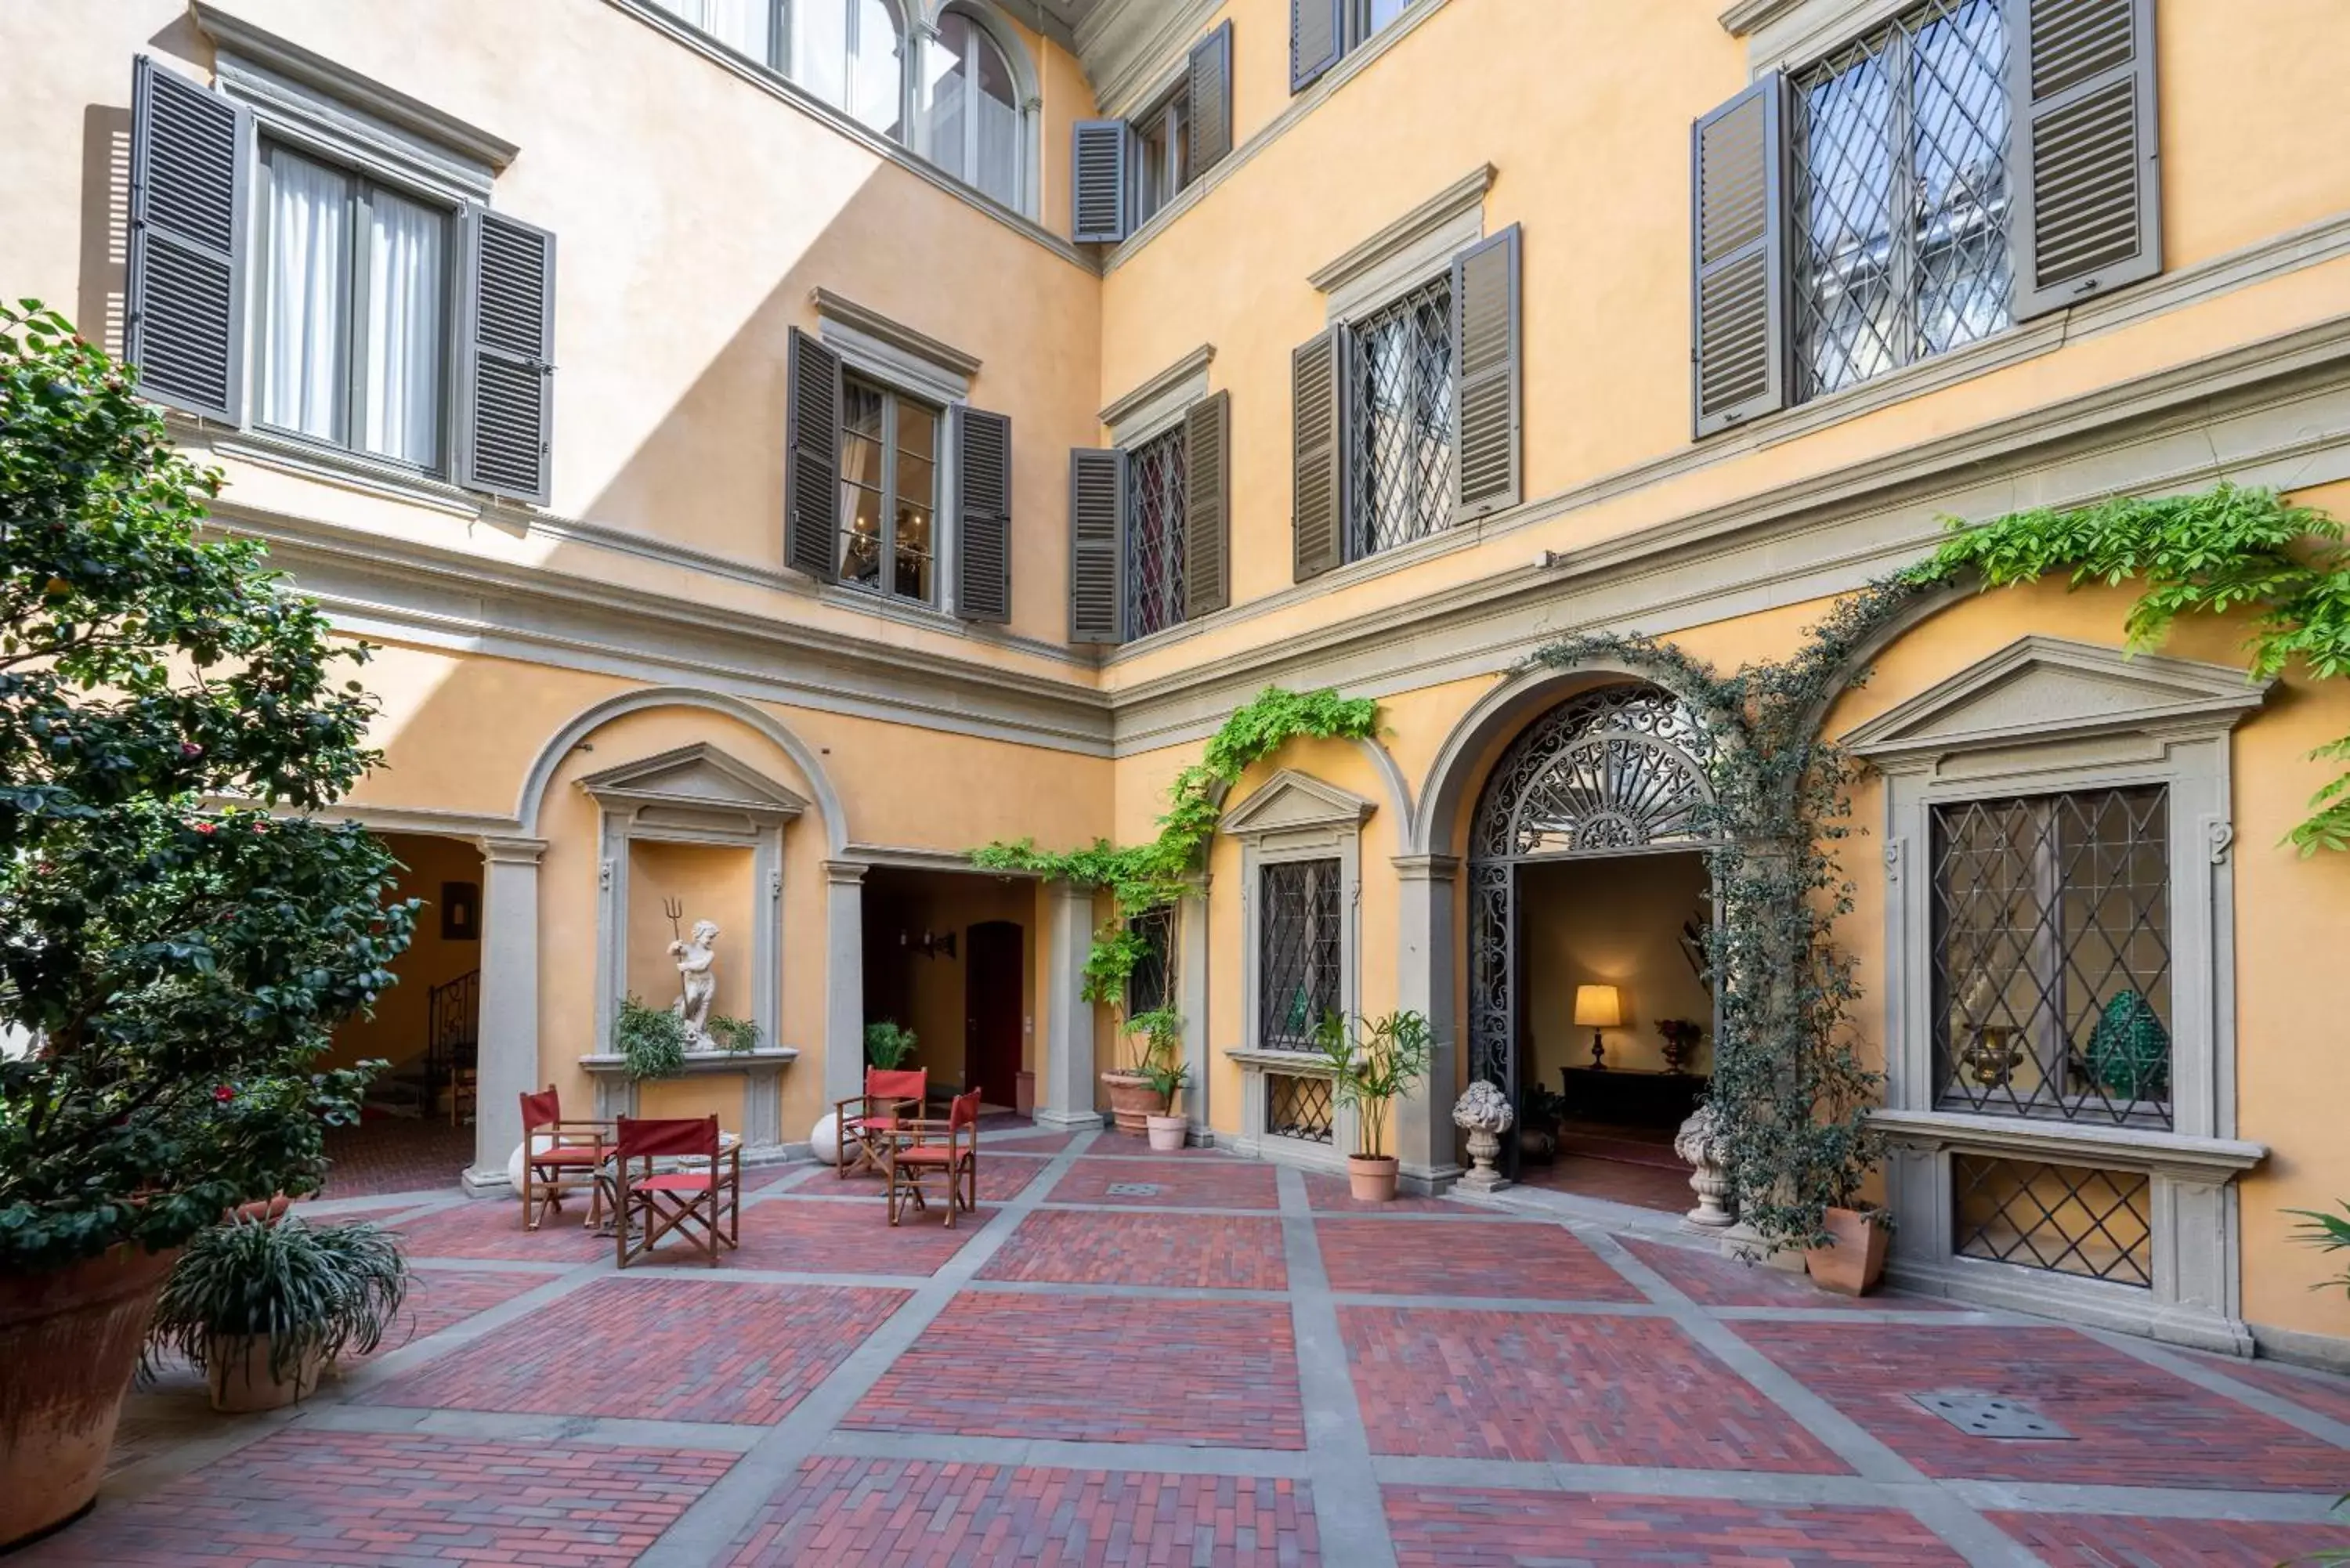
<point x="1157" y="1362"/>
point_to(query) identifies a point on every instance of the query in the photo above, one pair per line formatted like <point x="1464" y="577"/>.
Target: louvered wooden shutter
<point x="508" y="426"/>
<point x="1317" y="36"/>
<point x="1207" y="506"/>
<point x="1317" y="436"/>
<point x="811" y="456"/>
<point x="1738" y="336"/>
<point x="183" y="318"/>
<point x="1097" y="181"/>
<point x="983" y="515"/>
<point x="1487" y="442"/>
<point x="1211" y="92"/>
<point x="2086" y="215"/>
<point x="1097" y="546"/>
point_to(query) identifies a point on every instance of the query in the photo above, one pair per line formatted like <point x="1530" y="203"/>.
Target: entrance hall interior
<point x="948" y="955"/>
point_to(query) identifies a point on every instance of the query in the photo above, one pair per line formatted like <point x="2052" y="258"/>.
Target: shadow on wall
<point x="105" y="223"/>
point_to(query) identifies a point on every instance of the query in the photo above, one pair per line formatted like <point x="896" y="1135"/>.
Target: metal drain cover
<point x="1134" y="1190"/>
<point x="1988" y="1415"/>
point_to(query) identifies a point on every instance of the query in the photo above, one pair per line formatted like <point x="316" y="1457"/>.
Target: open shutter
<point x="183" y="318"/>
<point x="811" y="456"/>
<point x="1317" y="36"/>
<point x="2087" y="197"/>
<point x="1486" y="414"/>
<point x="1317" y="436"/>
<point x="1097" y="544"/>
<point x="983" y="515"/>
<point x="1738" y="334"/>
<point x="508" y="408"/>
<point x="1097" y="181"/>
<point x="1207" y="506"/>
<point x="1211" y="92"/>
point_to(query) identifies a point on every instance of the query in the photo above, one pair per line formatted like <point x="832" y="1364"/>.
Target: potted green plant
<point x="736" y="1036"/>
<point x="1168" y="1130"/>
<point x="263" y="1306"/>
<point x="650" y="1039"/>
<point x="888" y="1046"/>
<point x="1847" y="1255"/>
<point x="177" y="968"/>
<point x="1373" y="1062"/>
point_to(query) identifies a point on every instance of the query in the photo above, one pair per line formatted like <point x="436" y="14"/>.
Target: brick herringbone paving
<point x="2131" y="1424"/>
<point x="444" y="1298"/>
<point x="1213" y="1181"/>
<point x="887" y="1513"/>
<point x="663" y="1349"/>
<point x="996" y="1366"/>
<point x="1598" y="1390"/>
<point x="849" y="1237"/>
<point x="396" y="1154"/>
<point x="1003" y="1176"/>
<point x="492" y="1228"/>
<point x="1711" y="1280"/>
<point x="1215" y="1251"/>
<point x="2118" y="1541"/>
<point x="316" y="1496"/>
<point x="1439" y="1527"/>
<point x="1473" y="1257"/>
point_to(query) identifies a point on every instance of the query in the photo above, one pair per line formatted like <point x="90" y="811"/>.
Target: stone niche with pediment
<point x="698" y="831"/>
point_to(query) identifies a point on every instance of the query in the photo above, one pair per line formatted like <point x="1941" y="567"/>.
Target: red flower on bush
<point x="206" y="827"/>
<point x="223" y="1094"/>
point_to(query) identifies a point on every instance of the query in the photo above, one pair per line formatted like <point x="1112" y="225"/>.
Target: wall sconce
<point x="1598" y="1007"/>
<point x="928" y="945"/>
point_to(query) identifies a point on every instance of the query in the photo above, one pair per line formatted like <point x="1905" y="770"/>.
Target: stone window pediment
<point x="697" y="787"/>
<point x="1294" y="802"/>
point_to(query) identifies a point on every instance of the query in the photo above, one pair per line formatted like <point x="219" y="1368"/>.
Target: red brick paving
<point x="2318" y="1392"/>
<point x="1028" y="1143"/>
<point x="1215" y="1251"/>
<point x="1437" y="1527"/>
<point x="1617" y="1181"/>
<point x="2132" y="1424"/>
<point x="2110" y="1541"/>
<point x="1471" y="1258"/>
<point x="1711" y="1280"/>
<point x="444" y="1298"/>
<point x="1213" y="1181"/>
<point x="1006" y="1176"/>
<point x="886" y="1513"/>
<point x="1330" y="1195"/>
<point x="314" y="1497"/>
<point x="396" y="1154"/>
<point x="816" y="1237"/>
<point x="1562" y="1387"/>
<point x="1090" y="1369"/>
<point x="661" y="1349"/>
<point x="492" y="1228"/>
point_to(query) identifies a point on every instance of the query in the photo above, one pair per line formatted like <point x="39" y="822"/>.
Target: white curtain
<point x="406" y="244"/>
<point x="998" y="171"/>
<point x="820" y="48"/>
<point x="744" y="26"/>
<point x="875" y="77"/>
<point x="308" y="275"/>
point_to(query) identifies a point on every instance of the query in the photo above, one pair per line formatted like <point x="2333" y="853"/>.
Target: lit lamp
<point x="1598" y="1007"/>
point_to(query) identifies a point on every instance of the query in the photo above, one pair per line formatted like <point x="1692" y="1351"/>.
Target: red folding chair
<point x="868" y="1121"/>
<point x="923" y="1154"/>
<point x="650" y="1203"/>
<point x="575" y="1149"/>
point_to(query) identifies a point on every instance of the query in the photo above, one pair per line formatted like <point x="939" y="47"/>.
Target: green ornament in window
<point x="2129" y="1050"/>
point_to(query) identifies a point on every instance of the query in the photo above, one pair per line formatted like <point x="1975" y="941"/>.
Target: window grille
<point x="1901" y="195"/>
<point x="1298" y="951"/>
<point x="2065" y="1219"/>
<point x="1154" y="535"/>
<point x="2052" y="956"/>
<point x="1401" y="456"/>
<point x="1298" y="1105"/>
<point x="1146" y="983"/>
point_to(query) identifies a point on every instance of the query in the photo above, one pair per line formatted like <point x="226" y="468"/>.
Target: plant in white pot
<point x="262" y="1306"/>
<point x="1373" y="1062"/>
<point x="1169" y="1129"/>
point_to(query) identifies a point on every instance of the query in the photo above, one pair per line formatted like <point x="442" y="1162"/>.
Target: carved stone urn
<point x="1484" y="1113"/>
<point x="1700" y="1142"/>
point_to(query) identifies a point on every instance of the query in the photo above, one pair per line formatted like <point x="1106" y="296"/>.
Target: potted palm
<point x="1138" y="1090"/>
<point x="1169" y="1131"/>
<point x="1373" y="1062"/>
<point x="263" y="1306"/>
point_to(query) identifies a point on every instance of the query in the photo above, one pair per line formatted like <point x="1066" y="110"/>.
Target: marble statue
<point x="696" y="982"/>
<point x="1484" y="1113"/>
<point x="1701" y="1143"/>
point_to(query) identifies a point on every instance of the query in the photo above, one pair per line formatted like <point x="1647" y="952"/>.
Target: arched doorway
<point x="1615" y="771"/>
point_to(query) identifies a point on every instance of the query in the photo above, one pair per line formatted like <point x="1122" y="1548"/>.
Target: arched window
<point x="972" y="118"/>
<point x="851" y="54"/>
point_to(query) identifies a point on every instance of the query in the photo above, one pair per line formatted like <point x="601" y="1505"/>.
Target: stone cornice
<point x="1126" y="45"/>
<point x="2043" y="1139"/>
<point x="1461" y="196"/>
<point x="1194" y="364"/>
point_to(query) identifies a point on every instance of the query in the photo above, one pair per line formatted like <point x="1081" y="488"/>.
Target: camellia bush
<point x="171" y="965"/>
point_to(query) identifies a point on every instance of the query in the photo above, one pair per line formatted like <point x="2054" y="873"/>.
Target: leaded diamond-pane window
<point x="2052" y="970"/>
<point x="1298" y="1105"/>
<point x="1297" y="958"/>
<point x="1401" y="456"/>
<point x="1154" y="538"/>
<point x="2066" y="1219"/>
<point x="1901" y="195"/>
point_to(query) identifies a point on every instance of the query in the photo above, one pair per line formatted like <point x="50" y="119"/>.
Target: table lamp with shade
<point x="1598" y="1007"/>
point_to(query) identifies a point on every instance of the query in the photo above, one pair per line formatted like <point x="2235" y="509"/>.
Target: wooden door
<point x="994" y="951"/>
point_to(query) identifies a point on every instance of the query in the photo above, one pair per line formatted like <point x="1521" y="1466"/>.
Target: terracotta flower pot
<point x="1371" y="1177"/>
<point x="1131" y="1099"/>
<point x="1167" y="1133"/>
<point x="240" y="1381"/>
<point x="69" y="1344"/>
<point x="1855" y="1262"/>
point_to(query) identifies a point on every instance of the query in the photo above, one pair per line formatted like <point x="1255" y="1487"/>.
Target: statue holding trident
<point x="696" y="983"/>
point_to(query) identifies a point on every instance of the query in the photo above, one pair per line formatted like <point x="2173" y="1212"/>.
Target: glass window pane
<point x="1377" y="13"/>
<point x="819" y="59"/>
<point x="745" y="25"/>
<point x="918" y="429"/>
<point x="876" y="47"/>
<point x="1154" y="540"/>
<point x="914" y="551"/>
<point x="917" y="480"/>
<point x="860" y="535"/>
<point x="401" y="374"/>
<point x="860" y="461"/>
<point x="860" y="409"/>
<point x="1402" y="450"/>
<point x="304" y="336"/>
<point x="948" y="94"/>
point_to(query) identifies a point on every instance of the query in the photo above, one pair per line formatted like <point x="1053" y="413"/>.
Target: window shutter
<point x="1211" y="91"/>
<point x="811" y="456"/>
<point x="1317" y="36"/>
<point x="508" y="406"/>
<point x="983" y="515"/>
<point x="1097" y="181"/>
<point x="2086" y="208"/>
<point x="1738" y="335"/>
<point x="183" y="316"/>
<point x="1317" y="439"/>
<point x="1097" y="546"/>
<point x="1486" y="437"/>
<point x="1207" y="506"/>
